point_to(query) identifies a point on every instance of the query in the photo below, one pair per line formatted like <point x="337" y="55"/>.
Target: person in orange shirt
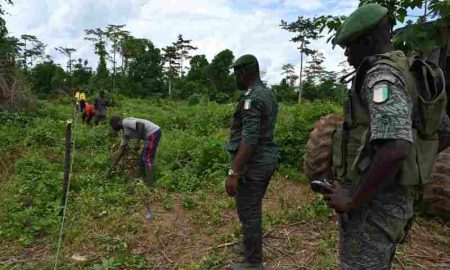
<point x="87" y="112"/>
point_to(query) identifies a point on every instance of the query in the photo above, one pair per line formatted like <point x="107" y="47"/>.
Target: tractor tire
<point x="317" y="161"/>
<point x="436" y="194"/>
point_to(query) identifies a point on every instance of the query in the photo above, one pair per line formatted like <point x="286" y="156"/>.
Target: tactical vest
<point x="352" y="153"/>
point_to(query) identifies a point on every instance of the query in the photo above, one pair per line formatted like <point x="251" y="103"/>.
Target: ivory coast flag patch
<point x="247" y="104"/>
<point x="381" y="93"/>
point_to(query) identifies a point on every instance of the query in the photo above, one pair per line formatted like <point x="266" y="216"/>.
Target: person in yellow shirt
<point x="78" y="97"/>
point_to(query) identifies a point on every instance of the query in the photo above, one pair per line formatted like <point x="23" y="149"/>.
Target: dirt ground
<point x="296" y="236"/>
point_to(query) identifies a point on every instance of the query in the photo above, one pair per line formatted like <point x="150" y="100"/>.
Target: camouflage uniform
<point x="254" y="123"/>
<point x="368" y="238"/>
<point x="388" y="101"/>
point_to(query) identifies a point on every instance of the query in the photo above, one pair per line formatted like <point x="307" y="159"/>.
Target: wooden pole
<point x="66" y="165"/>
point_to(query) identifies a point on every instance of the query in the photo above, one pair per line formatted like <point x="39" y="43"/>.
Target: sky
<point x="243" y="26"/>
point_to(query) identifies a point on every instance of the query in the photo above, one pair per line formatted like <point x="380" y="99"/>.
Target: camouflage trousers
<point x="368" y="239"/>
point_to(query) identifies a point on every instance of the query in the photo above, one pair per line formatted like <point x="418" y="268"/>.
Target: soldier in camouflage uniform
<point x="373" y="149"/>
<point x="254" y="155"/>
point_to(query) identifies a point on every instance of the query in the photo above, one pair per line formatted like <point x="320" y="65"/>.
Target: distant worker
<point x="254" y="157"/>
<point x="78" y="97"/>
<point x="140" y="129"/>
<point x="87" y="112"/>
<point x="101" y="104"/>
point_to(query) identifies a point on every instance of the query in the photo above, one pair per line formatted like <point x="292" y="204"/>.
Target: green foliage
<point x="189" y="202"/>
<point x="194" y="99"/>
<point x="14" y="128"/>
<point x="325" y="89"/>
<point x="293" y="127"/>
<point x="184" y="88"/>
<point x="145" y="70"/>
<point x="98" y="36"/>
<point x="418" y="35"/>
<point x="8" y="45"/>
<point x="190" y="158"/>
<point x="121" y="262"/>
<point x="211" y="261"/>
<point x="101" y="78"/>
<point x="33" y="210"/>
<point x="46" y="77"/>
<point x="219" y="72"/>
<point x="285" y="92"/>
<point x="316" y="210"/>
<point x="306" y="30"/>
<point x="197" y="70"/>
<point x="399" y="9"/>
<point x="81" y="74"/>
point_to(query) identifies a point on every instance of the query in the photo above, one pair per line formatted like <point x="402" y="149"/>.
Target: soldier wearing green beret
<point x="376" y="154"/>
<point x="254" y="155"/>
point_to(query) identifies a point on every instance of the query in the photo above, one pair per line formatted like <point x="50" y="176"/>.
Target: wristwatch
<point x="232" y="173"/>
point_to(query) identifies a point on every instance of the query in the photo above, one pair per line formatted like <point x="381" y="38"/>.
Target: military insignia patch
<point x="381" y="93"/>
<point x="247" y="104"/>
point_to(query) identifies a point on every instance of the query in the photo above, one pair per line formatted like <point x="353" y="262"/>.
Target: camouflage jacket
<point x="254" y="123"/>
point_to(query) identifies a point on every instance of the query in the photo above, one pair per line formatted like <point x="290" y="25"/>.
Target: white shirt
<point x="130" y="132"/>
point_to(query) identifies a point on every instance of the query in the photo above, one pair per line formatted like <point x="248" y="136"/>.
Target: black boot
<point x="149" y="177"/>
<point x="238" y="249"/>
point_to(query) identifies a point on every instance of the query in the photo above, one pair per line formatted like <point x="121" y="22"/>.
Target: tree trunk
<point x="425" y="11"/>
<point x="301" y="73"/>
<point x="181" y="66"/>
<point x="70" y="64"/>
<point x="170" y="87"/>
<point x="114" y="68"/>
<point x="25" y="56"/>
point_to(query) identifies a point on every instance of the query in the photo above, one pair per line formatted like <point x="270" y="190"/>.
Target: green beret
<point x="359" y="22"/>
<point x="245" y="60"/>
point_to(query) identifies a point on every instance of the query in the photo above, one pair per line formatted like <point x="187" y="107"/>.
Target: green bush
<point x="293" y="127"/>
<point x="194" y="99"/>
<point x="33" y="210"/>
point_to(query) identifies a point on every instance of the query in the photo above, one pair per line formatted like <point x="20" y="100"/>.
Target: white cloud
<point x="304" y="4"/>
<point x="246" y="26"/>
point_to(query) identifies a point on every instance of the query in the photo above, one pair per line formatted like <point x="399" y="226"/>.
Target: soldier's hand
<point x="231" y="185"/>
<point x="340" y="200"/>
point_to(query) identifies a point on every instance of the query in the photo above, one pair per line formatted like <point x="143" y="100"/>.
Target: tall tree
<point x="32" y="48"/>
<point x="145" y="71"/>
<point x="197" y="71"/>
<point x="345" y="69"/>
<point x="171" y="58"/>
<point x="46" y="77"/>
<point x="116" y="34"/>
<point x="82" y="73"/>
<point x="130" y="48"/>
<point x="289" y="73"/>
<point x="219" y="71"/>
<point x="9" y="46"/>
<point x="306" y="30"/>
<point x="315" y="70"/>
<point x="67" y="52"/>
<point x="184" y="48"/>
<point x="10" y="49"/>
<point x="98" y="36"/>
<point x="3" y="30"/>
